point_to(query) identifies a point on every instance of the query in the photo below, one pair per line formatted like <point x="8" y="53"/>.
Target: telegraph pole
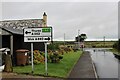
<point x="78" y="39"/>
<point x="64" y="39"/>
<point x="104" y="41"/>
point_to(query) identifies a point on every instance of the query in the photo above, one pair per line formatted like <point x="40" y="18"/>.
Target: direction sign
<point x="39" y="34"/>
<point x="37" y="39"/>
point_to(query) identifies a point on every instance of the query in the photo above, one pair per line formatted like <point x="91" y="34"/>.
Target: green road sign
<point x="46" y="30"/>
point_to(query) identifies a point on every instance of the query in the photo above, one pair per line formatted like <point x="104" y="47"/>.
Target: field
<point x="99" y="44"/>
<point x="89" y="44"/>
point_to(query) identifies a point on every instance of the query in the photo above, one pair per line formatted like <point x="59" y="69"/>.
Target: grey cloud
<point x="93" y="18"/>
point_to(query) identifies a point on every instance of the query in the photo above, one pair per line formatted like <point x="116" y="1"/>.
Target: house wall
<point x="6" y="41"/>
<point x="0" y="38"/>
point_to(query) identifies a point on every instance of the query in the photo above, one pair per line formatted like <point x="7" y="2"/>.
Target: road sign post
<point x="32" y="57"/>
<point x="39" y="34"/>
<point x="46" y="59"/>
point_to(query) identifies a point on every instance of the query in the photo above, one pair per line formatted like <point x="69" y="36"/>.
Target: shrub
<point x="61" y="51"/>
<point x="53" y="46"/>
<point x="55" y="57"/>
<point x="38" y="57"/>
<point x="66" y="49"/>
<point x="117" y="45"/>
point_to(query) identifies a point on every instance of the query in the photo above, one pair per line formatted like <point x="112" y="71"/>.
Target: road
<point x="107" y="65"/>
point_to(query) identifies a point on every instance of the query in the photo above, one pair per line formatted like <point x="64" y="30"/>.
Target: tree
<point x="8" y="64"/>
<point x="117" y="45"/>
<point x="81" y="37"/>
<point x="53" y="46"/>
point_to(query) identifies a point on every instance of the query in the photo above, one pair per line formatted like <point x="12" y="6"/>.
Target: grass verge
<point x="61" y="69"/>
<point x="115" y="51"/>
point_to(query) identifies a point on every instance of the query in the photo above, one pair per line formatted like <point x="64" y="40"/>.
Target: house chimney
<point x="45" y="20"/>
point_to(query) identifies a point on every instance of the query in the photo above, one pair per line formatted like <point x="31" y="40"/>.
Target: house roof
<point x="17" y="26"/>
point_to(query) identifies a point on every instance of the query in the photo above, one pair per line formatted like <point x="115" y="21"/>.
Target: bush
<point x="53" y="46"/>
<point x="38" y="57"/>
<point x="65" y="49"/>
<point x="55" y="57"/>
<point x="61" y="51"/>
<point x="117" y="45"/>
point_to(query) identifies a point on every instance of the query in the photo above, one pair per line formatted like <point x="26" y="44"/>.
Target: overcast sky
<point x="96" y="19"/>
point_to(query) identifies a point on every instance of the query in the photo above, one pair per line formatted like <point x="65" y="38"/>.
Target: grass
<point x="115" y="51"/>
<point x="61" y="69"/>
